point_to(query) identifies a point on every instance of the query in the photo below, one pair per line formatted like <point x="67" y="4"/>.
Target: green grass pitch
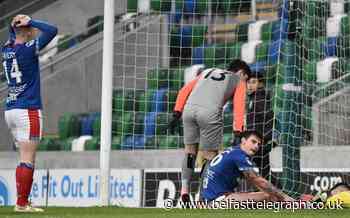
<point x="109" y="212"/>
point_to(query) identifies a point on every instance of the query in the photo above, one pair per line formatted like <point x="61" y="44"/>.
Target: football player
<point x="23" y="104"/>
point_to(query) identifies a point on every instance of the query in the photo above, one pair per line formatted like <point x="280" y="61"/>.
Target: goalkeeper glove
<point x="321" y="197"/>
<point x="175" y="121"/>
<point x="269" y="145"/>
<point x="237" y="138"/>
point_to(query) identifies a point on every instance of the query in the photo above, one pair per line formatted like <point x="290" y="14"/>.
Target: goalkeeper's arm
<point x="180" y="103"/>
<point x="183" y="95"/>
<point x="338" y="193"/>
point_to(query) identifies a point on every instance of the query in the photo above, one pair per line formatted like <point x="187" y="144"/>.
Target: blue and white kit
<point x="223" y="173"/>
<point x="21" y="68"/>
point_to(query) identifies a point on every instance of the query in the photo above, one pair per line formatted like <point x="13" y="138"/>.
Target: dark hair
<point x="248" y="133"/>
<point x="237" y="64"/>
<point x="258" y="75"/>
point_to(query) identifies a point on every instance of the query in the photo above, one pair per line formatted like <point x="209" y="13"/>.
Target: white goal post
<point x="106" y="105"/>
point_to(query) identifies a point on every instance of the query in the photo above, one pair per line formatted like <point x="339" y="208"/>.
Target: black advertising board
<point x="161" y="184"/>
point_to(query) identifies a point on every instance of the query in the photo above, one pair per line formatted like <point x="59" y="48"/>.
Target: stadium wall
<point x="71" y="16"/>
<point x="130" y="187"/>
<point x="137" y="179"/>
<point x="314" y="157"/>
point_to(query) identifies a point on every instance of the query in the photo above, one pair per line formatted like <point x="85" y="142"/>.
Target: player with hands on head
<point x="223" y="172"/>
<point x="23" y="104"/>
<point x="200" y="104"/>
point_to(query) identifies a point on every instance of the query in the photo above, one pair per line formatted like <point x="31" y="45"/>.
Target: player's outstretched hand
<point x="174" y="121"/>
<point x="288" y="198"/>
<point x="20" y="20"/>
<point x="306" y="197"/>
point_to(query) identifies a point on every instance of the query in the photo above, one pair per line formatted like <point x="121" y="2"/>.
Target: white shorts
<point x="25" y="124"/>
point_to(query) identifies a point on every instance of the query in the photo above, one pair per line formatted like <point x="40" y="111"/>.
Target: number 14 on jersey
<point x="14" y="72"/>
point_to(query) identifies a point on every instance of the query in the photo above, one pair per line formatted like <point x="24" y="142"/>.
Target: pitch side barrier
<point x="134" y="187"/>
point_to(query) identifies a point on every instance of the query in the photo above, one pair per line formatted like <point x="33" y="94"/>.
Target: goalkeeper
<point x="200" y="103"/>
<point x="339" y="193"/>
<point x="221" y="175"/>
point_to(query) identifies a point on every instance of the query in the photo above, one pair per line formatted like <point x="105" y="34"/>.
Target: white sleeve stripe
<point x="37" y="46"/>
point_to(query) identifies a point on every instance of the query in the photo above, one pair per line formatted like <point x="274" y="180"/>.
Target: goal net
<point x="300" y="48"/>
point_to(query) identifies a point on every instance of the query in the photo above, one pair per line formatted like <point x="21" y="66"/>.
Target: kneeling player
<point x="221" y="174"/>
<point x="200" y="103"/>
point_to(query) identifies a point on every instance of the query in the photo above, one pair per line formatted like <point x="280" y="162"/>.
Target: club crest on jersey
<point x="30" y="43"/>
<point x="248" y="161"/>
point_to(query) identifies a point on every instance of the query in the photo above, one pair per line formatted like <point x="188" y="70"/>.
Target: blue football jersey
<point x="21" y="68"/>
<point x="223" y="173"/>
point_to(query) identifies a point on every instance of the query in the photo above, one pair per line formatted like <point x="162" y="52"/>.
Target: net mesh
<point x="158" y="57"/>
<point x="300" y="47"/>
<point x="313" y="96"/>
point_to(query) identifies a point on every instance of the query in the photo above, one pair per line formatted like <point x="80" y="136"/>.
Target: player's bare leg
<point x="24" y="177"/>
<point x="27" y="151"/>
<point x="209" y="154"/>
<point x="200" y="161"/>
<point x="188" y="165"/>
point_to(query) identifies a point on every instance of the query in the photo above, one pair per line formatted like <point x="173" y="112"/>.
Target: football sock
<point x="24" y="180"/>
<point x="188" y="165"/>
